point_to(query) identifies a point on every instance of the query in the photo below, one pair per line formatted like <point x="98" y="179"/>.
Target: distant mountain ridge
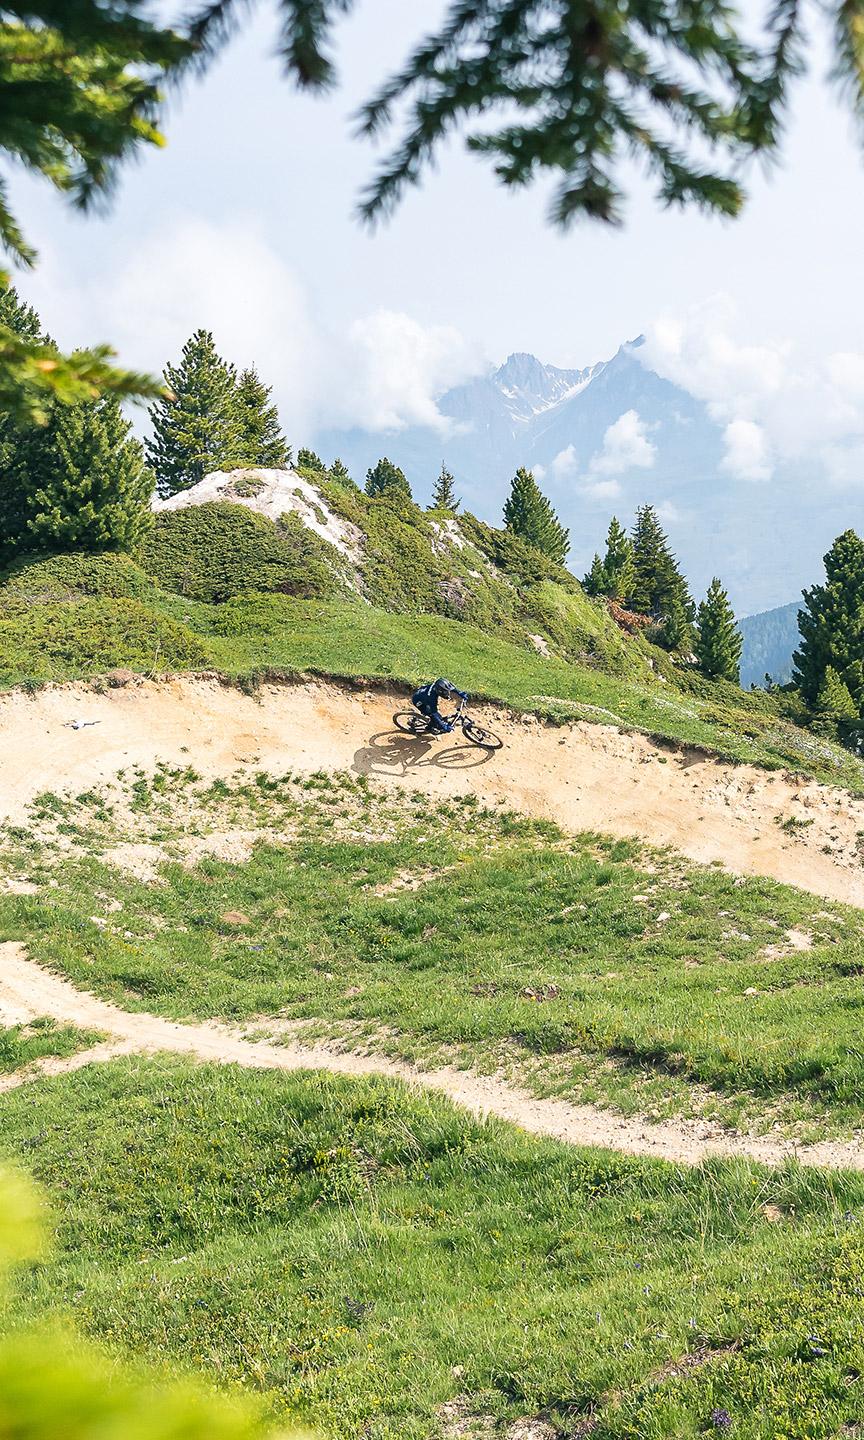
<point x="765" y="539"/>
<point x="770" y="640"/>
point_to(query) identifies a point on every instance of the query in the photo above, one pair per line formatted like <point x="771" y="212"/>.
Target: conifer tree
<point x="596" y="582"/>
<point x="86" y="485"/>
<point x="528" y="514"/>
<point x="444" y="492"/>
<point x="385" y="478"/>
<point x="831" y="624"/>
<point x="718" y="639"/>
<point x="658" y="585"/>
<point x="22" y="321"/>
<point x="618" y="564"/>
<point x="677" y="628"/>
<point x="308" y="460"/>
<point x="94" y="486"/>
<point x="198" y="430"/>
<point x="339" y="474"/>
<point x="262" y="443"/>
<point x="834" y="700"/>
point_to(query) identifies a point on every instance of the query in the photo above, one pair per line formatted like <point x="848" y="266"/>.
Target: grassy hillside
<point x="585" y="967"/>
<point x="73" y="617"/>
<point x="346" y="1248"/>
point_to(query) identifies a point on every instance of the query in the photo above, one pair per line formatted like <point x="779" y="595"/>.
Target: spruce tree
<point x="831" y="624"/>
<point x="339" y="474"/>
<point x="387" y="479"/>
<point x="261" y="443"/>
<point x="16" y="432"/>
<point x="596" y="582"/>
<point x="618" y="564"/>
<point x="677" y="627"/>
<point x="834" y="700"/>
<point x="197" y="430"/>
<point x="88" y="485"/>
<point x="528" y="514"/>
<point x="718" y="639"/>
<point x="308" y="460"/>
<point x="658" y="585"/>
<point x="444" y="492"/>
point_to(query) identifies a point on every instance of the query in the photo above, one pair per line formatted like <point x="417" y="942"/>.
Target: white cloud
<point x="382" y="373"/>
<point x="625" y="447"/>
<point x="773" y="403"/>
<point x="396" y="368"/>
<point x="746" y="454"/>
<point x="601" y="490"/>
<point x="565" y="463"/>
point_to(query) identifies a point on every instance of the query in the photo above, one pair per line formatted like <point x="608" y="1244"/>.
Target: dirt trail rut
<point x="28" y="991"/>
<point x="584" y="776"/>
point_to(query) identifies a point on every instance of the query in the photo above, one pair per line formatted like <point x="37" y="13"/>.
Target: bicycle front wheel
<point x="478" y="736"/>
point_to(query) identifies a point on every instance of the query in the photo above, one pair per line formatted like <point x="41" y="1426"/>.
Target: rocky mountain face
<point x="765" y="539"/>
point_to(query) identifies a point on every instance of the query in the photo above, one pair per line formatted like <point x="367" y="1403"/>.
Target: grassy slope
<point x="345" y="1248"/>
<point x="75" y="617"/>
<point x="331" y="638"/>
<point x="585" y="966"/>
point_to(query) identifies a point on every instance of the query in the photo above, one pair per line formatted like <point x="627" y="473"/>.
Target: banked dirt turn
<point x="584" y="776"/>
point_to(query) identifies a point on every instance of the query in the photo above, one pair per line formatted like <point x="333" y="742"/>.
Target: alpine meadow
<point x="431" y="828"/>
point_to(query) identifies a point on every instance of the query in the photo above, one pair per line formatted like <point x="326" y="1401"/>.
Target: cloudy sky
<point x="245" y="225"/>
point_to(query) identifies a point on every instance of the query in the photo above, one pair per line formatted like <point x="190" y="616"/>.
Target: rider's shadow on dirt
<point x="392" y="753"/>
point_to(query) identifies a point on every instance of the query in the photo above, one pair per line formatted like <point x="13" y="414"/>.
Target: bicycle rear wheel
<point x="410" y="723"/>
<point x="478" y="736"/>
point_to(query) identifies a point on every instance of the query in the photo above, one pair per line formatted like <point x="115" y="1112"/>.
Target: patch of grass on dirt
<point x="20" y="1045"/>
<point x="588" y="967"/>
<point x="362" y="1254"/>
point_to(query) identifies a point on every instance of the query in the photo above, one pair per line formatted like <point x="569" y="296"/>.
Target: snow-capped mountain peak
<point x="530" y="387"/>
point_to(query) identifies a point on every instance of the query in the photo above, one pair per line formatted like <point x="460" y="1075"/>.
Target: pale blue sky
<point x="244" y="224"/>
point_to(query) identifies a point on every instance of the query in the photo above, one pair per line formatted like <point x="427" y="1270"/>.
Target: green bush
<point x="410" y="564"/>
<point x="53" y="579"/>
<point x="212" y="552"/>
<point x="90" y="637"/>
<point x="523" y="562"/>
<point x="581" y="629"/>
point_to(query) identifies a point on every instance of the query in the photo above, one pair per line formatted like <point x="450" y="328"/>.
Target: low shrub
<point x="90" y="637"/>
<point x="212" y="552"/>
<point x="53" y="579"/>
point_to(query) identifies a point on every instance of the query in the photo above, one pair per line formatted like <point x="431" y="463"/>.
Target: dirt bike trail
<point x="27" y="991"/>
<point x="583" y="776"/>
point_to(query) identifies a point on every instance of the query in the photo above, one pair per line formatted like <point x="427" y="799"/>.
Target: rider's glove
<point x="462" y="694"/>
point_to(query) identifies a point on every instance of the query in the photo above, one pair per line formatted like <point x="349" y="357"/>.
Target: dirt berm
<point x="584" y="776"/>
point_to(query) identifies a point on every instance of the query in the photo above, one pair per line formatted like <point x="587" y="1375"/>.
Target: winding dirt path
<point x="585" y="777"/>
<point x="28" y="991"/>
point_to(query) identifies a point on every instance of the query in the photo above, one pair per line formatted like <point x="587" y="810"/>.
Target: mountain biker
<point x="427" y="697"/>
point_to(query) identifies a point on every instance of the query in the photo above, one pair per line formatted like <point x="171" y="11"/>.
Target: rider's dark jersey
<point x="436" y="690"/>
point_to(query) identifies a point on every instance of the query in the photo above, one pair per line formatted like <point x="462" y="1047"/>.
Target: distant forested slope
<point x="769" y="641"/>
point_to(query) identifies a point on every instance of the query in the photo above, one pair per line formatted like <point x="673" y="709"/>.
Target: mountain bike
<point x="411" y="722"/>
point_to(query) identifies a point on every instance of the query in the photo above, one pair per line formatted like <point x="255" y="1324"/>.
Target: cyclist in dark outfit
<point x="427" y="697"/>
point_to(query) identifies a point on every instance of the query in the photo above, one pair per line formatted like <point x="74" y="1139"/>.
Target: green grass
<point x="257" y="634"/>
<point x="362" y="1255"/>
<point x="586" y="967"/>
<point x="77" y="617"/>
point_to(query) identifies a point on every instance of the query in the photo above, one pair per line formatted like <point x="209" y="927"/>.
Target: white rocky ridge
<point x="273" y="493"/>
